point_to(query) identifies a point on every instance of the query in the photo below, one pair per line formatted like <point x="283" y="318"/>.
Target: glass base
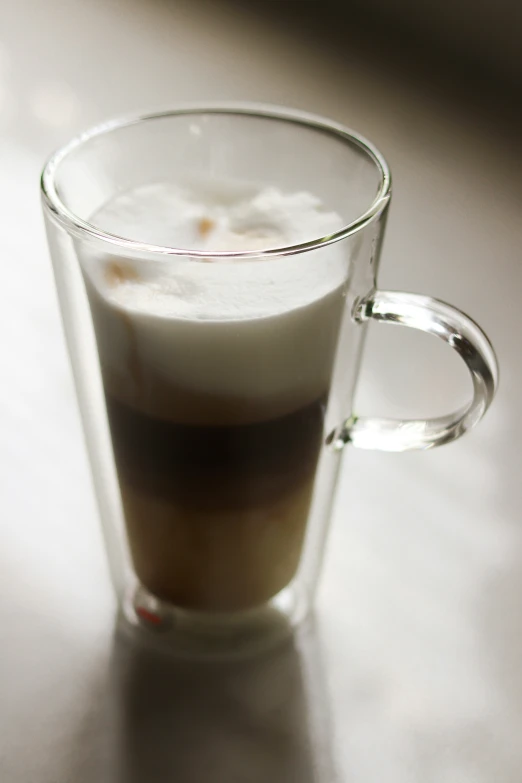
<point x="212" y="635"/>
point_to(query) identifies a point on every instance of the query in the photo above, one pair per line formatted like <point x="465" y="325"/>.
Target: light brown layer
<point x="228" y="560"/>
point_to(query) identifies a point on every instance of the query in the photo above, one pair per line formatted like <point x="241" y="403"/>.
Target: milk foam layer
<point x="261" y="331"/>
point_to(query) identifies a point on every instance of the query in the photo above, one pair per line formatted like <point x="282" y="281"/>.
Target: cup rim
<point x="84" y="229"/>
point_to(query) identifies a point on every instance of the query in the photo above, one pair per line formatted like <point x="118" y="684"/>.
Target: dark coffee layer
<point x="212" y="467"/>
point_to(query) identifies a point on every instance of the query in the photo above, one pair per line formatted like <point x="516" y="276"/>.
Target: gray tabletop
<point x="411" y="669"/>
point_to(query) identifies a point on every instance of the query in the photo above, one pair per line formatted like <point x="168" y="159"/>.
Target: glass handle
<point x="457" y="330"/>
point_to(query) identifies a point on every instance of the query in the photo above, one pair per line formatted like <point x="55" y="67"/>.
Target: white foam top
<point x="219" y="215"/>
<point x="261" y="328"/>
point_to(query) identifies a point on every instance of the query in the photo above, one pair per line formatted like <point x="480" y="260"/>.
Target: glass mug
<point x="215" y="435"/>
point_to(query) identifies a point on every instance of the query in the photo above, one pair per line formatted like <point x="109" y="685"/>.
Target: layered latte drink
<point x="216" y="373"/>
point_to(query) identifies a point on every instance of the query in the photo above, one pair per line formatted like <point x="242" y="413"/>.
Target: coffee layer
<point x="216" y="515"/>
<point x="216" y="466"/>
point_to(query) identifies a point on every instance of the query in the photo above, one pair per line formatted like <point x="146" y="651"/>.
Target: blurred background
<point x="412" y="669"/>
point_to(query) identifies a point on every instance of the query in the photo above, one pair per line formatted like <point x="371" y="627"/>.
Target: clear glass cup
<point x="215" y="441"/>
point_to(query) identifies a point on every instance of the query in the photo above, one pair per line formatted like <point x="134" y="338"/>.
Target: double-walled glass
<point x="215" y="439"/>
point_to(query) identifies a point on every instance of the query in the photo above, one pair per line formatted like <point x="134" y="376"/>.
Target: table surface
<point x="412" y="669"/>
